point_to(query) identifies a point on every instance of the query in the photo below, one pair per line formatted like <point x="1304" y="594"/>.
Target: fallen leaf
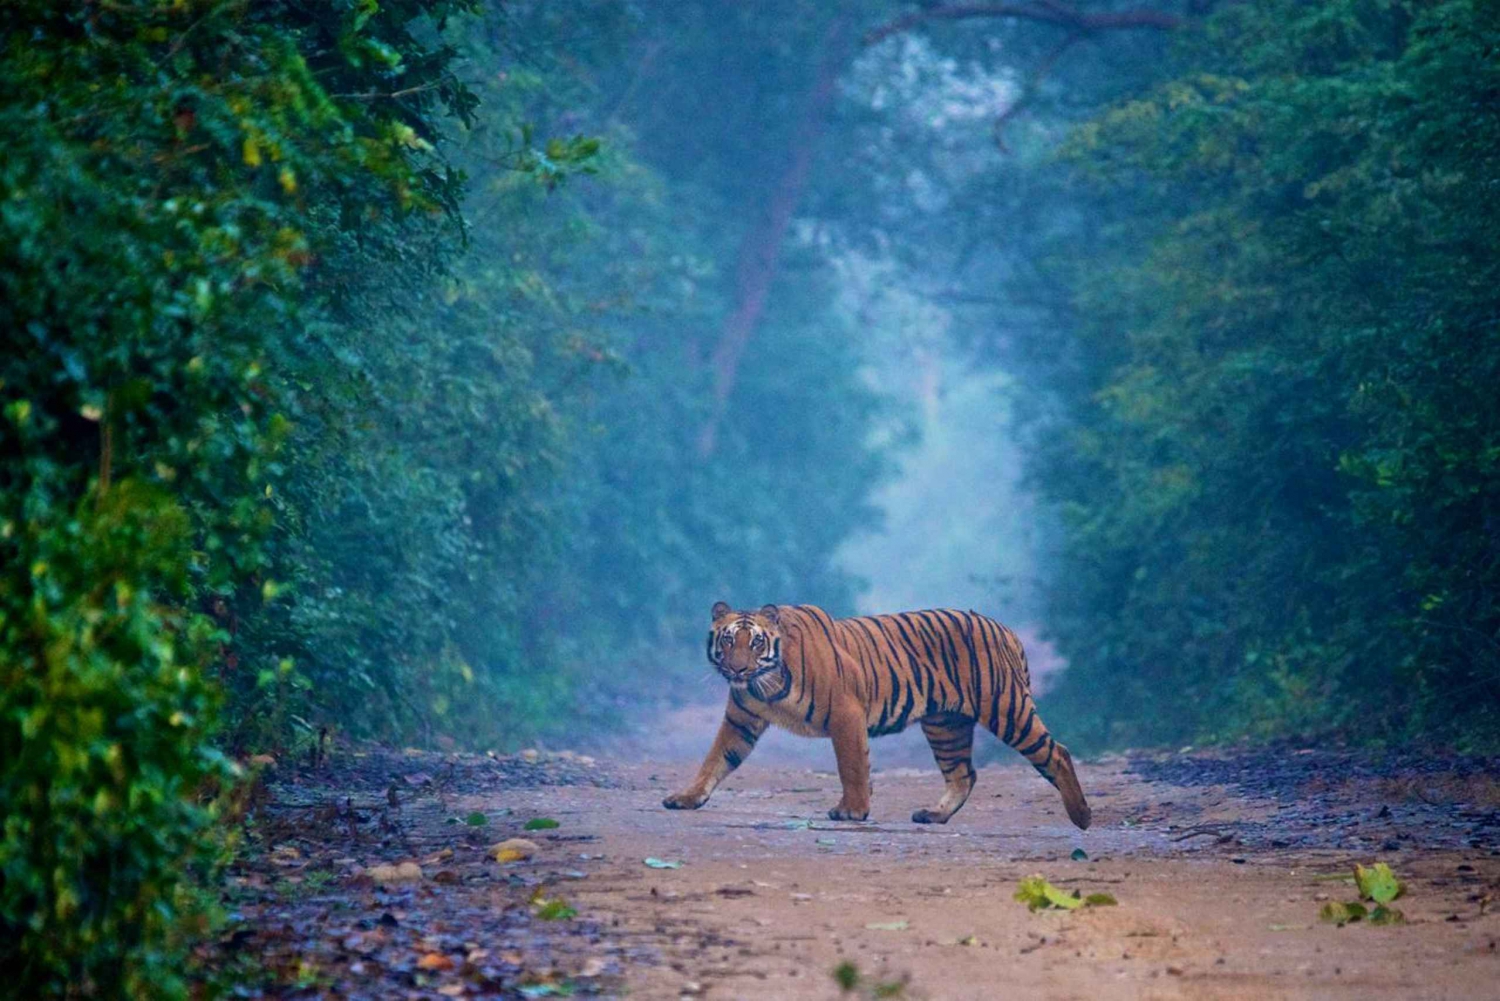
<point x="476" y="819"/>
<point x="1100" y="900"/>
<point x="657" y="863"/>
<point x="555" y="909"/>
<point x="1038" y="894"/>
<point x="967" y="940"/>
<point x="828" y="841"/>
<point x="888" y="926"/>
<point x="1079" y="855"/>
<point x="1378" y="883"/>
<point x="437" y="857"/>
<point x="541" y="824"/>
<point x="406" y="872"/>
<point x="434" y="961"/>
<point x="1383" y="915"/>
<point x="1341" y="914"/>
<point x="512" y="850"/>
<point x="445" y="876"/>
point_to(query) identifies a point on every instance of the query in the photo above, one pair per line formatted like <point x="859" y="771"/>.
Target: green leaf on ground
<point x="541" y="824"/>
<point x="476" y="819"/>
<point x="658" y="863"/>
<point x="1079" y="855"/>
<point x="798" y="825"/>
<point x="1341" y="914"/>
<point x="1378" y="883"/>
<point x="846" y="975"/>
<point x="555" y="909"/>
<point x="888" y="925"/>
<point x="1038" y="894"/>
<point x="1383" y="915"/>
<point x="1100" y="900"/>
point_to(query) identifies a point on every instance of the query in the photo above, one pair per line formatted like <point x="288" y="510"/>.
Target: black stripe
<point x="1032" y="748"/>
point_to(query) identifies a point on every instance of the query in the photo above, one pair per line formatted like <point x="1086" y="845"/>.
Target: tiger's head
<point x="745" y="647"/>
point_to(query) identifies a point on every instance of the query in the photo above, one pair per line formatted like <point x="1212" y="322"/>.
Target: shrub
<point x="104" y="724"/>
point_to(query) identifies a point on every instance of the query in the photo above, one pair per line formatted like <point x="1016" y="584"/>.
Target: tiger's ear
<point x="721" y="609"/>
<point x="771" y="612"/>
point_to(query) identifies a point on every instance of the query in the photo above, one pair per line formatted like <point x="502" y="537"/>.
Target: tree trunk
<point x="761" y="249"/>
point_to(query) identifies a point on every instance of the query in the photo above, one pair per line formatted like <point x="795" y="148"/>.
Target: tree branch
<point x="1063" y="16"/>
<point x="1031" y="88"/>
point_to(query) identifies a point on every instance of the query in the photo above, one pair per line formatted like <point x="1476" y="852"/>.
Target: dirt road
<point x="1220" y="865"/>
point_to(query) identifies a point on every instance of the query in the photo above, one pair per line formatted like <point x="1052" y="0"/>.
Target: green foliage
<point x="173" y="171"/>
<point x="104" y="718"/>
<point x="1278" y="457"/>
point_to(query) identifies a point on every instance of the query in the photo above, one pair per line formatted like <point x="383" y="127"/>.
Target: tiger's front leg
<point x="737" y="736"/>
<point x="851" y="748"/>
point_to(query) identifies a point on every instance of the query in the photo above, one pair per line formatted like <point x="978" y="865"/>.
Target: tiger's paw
<point x="684" y="801"/>
<point x="929" y="817"/>
<point x="842" y="812"/>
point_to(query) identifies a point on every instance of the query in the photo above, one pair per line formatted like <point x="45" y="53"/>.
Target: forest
<point x="420" y="372"/>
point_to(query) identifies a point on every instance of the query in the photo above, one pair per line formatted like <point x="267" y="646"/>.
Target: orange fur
<point x="856" y="678"/>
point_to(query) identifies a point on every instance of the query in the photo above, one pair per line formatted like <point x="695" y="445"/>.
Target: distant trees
<point x="1278" y="456"/>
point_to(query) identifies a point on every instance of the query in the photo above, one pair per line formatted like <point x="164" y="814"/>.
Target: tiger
<point x="867" y="676"/>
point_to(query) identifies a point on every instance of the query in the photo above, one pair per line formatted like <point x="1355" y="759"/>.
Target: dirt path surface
<point x="1220" y="865"/>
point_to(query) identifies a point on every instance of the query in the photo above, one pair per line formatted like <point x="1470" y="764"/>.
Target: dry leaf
<point x="434" y="961"/>
<point x="512" y="850"/>
<point x="406" y="872"/>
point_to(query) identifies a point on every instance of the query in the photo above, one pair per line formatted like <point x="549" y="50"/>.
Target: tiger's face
<point x="744" y="647"/>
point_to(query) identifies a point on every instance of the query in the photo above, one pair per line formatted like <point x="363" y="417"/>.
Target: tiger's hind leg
<point x="951" y="738"/>
<point x="1023" y="729"/>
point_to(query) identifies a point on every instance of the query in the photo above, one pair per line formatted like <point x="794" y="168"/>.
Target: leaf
<point x="541" y="824"/>
<point x="1383" y="915"/>
<point x="1341" y="914"/>
<point x="1038" y="894"/>
<point x="406" y="872"/>
<point x="434" y="961"/>
<point x="797" y="825"/>
<point x="888" y="925"/>
<point x="1378" y="883"/>
<point x="1100" y="900"/>
<point x="1079" y="855"/>
<point x="555" y="909"/>
<point x="476" y="819"/>
<point x="657" y="863"/>
<point x="512" y="850"/>
<point x="828" y="841"/>
<point x="846" y="975"/>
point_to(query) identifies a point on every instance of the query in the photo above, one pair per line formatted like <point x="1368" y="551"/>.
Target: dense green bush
<point x="104" y="718"/>
<point x="173" y="172"/>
